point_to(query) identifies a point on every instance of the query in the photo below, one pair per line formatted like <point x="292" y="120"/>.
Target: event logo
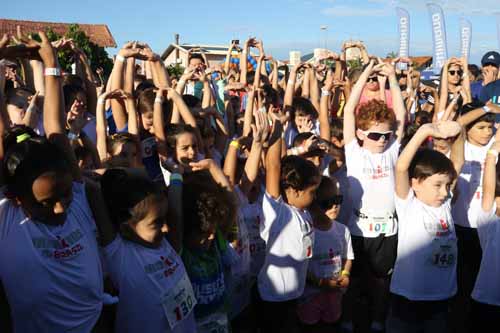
<point x="404" y="32"/>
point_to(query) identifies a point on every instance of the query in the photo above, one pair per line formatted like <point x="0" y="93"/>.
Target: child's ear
<point x="415" y="184"/>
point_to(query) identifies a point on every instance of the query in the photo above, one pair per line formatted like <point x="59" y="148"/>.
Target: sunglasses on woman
<point x="371" y="79"/>
<point x="375" y="136"/>
<point x="332" y="201"/>
<point x="459" y="73"/>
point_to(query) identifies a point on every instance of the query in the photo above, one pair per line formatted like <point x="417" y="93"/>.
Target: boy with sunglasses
<point x="371" y="151"/>
<point x="330" y="266"/>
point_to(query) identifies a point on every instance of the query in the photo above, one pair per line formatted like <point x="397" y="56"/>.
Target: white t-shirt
<point x="144" y="277"/>
<point x="470" y="186"/>
<point x="52" y="274"/>
<point x="289" y="238"/>
<point x="371" y="188"/>
<point x="487" y="287"/>
<point x="425" y="268"/>
<point x="330" y="248"/>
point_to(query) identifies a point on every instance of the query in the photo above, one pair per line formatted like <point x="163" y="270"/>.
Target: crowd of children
<point x="310" y="198"/>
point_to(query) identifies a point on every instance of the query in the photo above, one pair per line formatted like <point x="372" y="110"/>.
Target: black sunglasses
<point x="375" y="136"/>
<point x="452" y="72"/>
<point x="371" y="79"/>
<point x="328" y="203"/>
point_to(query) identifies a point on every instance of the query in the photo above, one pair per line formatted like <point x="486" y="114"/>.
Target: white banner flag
<point x="404" y="32"/>
<point x="465" y="37"/>
<point x="438" y="37"/>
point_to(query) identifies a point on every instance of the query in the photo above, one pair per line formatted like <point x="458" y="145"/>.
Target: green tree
<point x="97" y="55"/>
<point x="392" y="55"/>
<point x="175" y="70"/>
<point x="354" y="63"/>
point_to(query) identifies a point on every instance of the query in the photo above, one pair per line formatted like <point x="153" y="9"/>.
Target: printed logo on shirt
<point x="208" y="292"/>
<point x="439" y="229"/>
<point x="378" y="172"/>
<point x="148" y="147"/>
<point x="60" y="248"/>
<point x="162" y="268"/>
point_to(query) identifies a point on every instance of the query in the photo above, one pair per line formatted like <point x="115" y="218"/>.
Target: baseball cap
<point x="491" y="57"/>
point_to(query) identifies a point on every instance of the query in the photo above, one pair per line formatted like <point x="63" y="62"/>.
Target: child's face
<point x="147" y="121"/>
<point x="304" y="123"/>
<point x="52" y="194"/>
<point x="480" y="134"/>
<point x="152" y="227"/>
<point x="433" y="190"/>
<point x="329" y="202"/>
<point x="186" y="148"/>
<point x="375" y="146"/>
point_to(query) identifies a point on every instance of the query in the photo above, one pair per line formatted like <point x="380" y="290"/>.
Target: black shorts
<point x="378" y="255"/>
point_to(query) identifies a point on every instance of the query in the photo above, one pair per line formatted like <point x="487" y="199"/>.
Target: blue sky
<point x="284" y="25"/>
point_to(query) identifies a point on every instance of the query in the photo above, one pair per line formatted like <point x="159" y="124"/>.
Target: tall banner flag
<point x="404" y="32"/>
<point x="440" y="49"/>
<point x="465" y="37"/>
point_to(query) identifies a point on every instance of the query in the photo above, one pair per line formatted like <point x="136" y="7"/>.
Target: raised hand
<point x="445" y="129"/>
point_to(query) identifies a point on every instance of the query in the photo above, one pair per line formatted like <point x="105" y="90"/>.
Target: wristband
<point x="486" y="109"/>
<point x="325" y="92"/>
<point x="235" y="144"/>
<point x="159" y="100"/>
<point x="492" y="152"/>
<point x="345" y="273"/>
<point x="120" y="58"/>
<point x="52" y="71"/>
<point x="101" y="101"/>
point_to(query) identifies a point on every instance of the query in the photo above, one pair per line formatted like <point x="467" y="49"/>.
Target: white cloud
<point x="347" y="11"/>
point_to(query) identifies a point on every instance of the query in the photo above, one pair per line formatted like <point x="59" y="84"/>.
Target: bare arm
<point x="273" y="162"/>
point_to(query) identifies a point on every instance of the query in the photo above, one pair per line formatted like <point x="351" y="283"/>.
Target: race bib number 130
<point x="178" y="302"/>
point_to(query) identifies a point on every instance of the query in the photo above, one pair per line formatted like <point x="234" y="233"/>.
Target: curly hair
<point x="374" y="111"/>
<point x="298" y="173"/>
<point x="206" y="204"/>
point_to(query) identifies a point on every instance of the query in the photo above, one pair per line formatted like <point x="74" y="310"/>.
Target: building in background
<point x="98" y="34"/>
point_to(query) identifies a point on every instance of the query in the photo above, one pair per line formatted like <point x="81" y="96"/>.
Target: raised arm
<point x="273" y="161"/>
<point x="290" y="86"/>
<point x="490" y="175"/>
<point x="398" y="104"/>
<point x="352" y="103"/>
<point x="443" y="130"/>
<point x="53" y="106"/>
<point x="324" y="118"/>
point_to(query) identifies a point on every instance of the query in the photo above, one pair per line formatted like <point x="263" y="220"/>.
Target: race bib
<point x="215" y="323"/>
<point x="376" y="224"/>
<point x="178" y="302"/>
<point x="444" y="252"/>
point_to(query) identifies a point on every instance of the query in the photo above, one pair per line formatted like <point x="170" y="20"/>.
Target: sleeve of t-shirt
<point x="403" y="204"/>
<point x="112" y="254"/>
<point x="485" y="220"/>
<point x="347" y="237"/>
<point x="352" y="151"/>
<point x="271" y="209"/>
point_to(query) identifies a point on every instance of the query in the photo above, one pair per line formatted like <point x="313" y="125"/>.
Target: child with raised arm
<point x="287" y="231"/>
<point x="371" y="151"/>
<point x="329" y="269"/>
<point x="486" y="292"/>
<point x="424" y="277"/>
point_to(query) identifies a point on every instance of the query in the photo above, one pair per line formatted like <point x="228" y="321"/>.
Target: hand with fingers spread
<point x="260" y="129"/>
<point x="444" y="129"/>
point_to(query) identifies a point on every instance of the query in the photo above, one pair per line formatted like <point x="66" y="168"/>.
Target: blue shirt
<point x="491" y="92"/>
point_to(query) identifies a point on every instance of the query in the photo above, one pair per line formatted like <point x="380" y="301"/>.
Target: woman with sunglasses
<point x="329" y="270"/>
<point x="454" y="86"/>
<point x="375" y="89"/>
